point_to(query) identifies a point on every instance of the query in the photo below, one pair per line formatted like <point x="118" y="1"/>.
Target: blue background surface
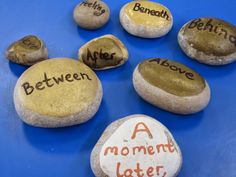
<point x="207" y="139"/>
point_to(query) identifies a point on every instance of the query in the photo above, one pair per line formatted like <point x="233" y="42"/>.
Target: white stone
<point x="138" y="142"/>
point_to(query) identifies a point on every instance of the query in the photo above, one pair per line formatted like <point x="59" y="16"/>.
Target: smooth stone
<point x="209" y="40"/>
<point x="146" y="19"/>
<point x="136" y="145"/>
<point x="104" y="52"/>
<point x="91" y="14"/>
<point x="27" y="51"/>
<point x="57" y="93"/>
<point x="171" y="86"/>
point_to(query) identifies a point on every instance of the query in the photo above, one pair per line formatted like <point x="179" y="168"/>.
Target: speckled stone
<point x="136" y="145"/>
<point x="104" y="52"/>
<point x="209" y="40"/>
<point x="57" y="93"/>
<point x="91" y="14"/>
<point x="27" y="51"/>
<point x="146" y="19"/>
<point x="171" y="86"/>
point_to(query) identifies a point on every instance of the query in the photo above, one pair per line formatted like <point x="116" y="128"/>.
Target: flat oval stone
<point x="171" y="86"/>
<point x="209" y="40"/>
<point x="136" y="145"/>
<point x="91" y="14"/>
<point x="104" y="52"/>
<point x="57" y="93"/>
<point x="146" y="19"/>
<point x="27" y="51"/>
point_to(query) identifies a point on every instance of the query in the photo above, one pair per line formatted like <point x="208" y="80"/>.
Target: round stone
<point x="171" y="86"/>
<point x="136" y="145"/>
<point x="27" y="51"/>
<point x="209" y="40"/>
<point x="146" y="19"/>
<point x="57" y="93"/>
<point x="91" y="14"/>
<point x="104" y="52"/>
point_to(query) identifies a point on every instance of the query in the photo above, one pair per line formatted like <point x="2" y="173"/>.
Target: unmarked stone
<point x="146" y="19"/>
<point x="27" y="51"/>
<point x="104" y="52"/>
<point x="57" y="93"/>
<point x="136" y="145"/>
<point x="209" y="40"/>
<point x="171" y="86"/>
<point x="91" y="14"/>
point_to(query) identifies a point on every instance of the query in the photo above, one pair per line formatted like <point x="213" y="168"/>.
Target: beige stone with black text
<point x="146" y="19"/>
<point x="104" y="52"/>
<point x="57" y="93"/>
<point x="171" y="86"/>
<point x="210" y="41"/>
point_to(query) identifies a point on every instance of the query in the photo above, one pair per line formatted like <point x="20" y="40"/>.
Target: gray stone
<point x="91" y="14"/>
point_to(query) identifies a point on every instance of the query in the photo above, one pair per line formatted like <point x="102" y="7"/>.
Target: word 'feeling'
<point x="140" y="150"/>
<point x="96" y="6"/>
<point x="50" y="82"/>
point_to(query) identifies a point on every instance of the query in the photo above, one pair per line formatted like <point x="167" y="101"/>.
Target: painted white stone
<point x="136" y="145"/>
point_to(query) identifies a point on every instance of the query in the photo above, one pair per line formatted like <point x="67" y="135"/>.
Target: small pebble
<point x="27" y="51"/>
<point x="209" y="40"/>
<point x="104" y="52"/>
<point x="171" y="86"/>
<point x="57" y="93"/>
<point x="146" y="19"/>
<point x="136" y="145"/>
<point x="91" y="14"/>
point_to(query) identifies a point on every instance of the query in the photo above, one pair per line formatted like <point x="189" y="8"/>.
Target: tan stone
<point x="56" y="93"/>
<point x="209" y="40"/>
<point x="146" y="19"/>
<point x="171" y="86"/>
<point x="104" y="52"/>
<point x="27" y="51"/>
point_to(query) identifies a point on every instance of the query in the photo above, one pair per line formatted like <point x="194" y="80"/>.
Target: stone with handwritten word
<point x="104" y="52"/>
<point x="91" y="14"/>
<point x="171" y="86"/>
<point x="209" y="40"/>
<point x="136" y="145"/>
<point x="57" y="93"/>
<point x="27" y="51"/>
<point x="146" y="19"/>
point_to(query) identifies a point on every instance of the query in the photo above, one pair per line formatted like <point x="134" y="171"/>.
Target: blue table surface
<point x="207" y="139"/>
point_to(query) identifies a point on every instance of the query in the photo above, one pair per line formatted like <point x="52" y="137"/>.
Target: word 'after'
<point x="96" y="6"/>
